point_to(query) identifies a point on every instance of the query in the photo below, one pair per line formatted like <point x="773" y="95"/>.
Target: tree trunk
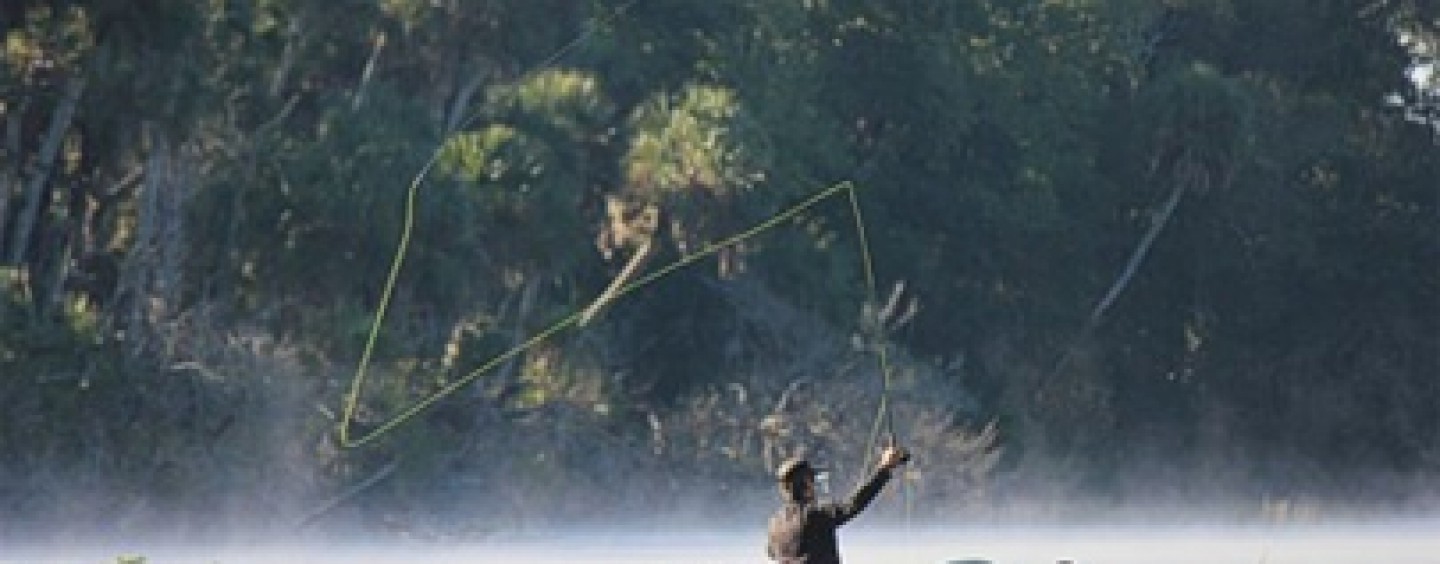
<point x="377" y="45"/>
<point x="294" y="35"/>
<point x="1157" y="225"/>
<point x="626" y="276"/>
<point x="59" y="124"/>
<point x="460" y="109"/>
<point x="10" y="175"/>
<point x="152" y="273"/>
<point x="55" y="296"/>
<point x="518" y="335"/>
<point x="1182" y="180"/>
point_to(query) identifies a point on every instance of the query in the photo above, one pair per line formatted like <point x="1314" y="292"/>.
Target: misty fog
<point x="1381" y="542"/>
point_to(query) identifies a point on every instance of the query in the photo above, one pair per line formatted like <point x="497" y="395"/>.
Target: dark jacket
<point x="804" y="532"/>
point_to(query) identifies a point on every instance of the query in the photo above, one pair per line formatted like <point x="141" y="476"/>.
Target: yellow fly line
<point x="357" y="384"/>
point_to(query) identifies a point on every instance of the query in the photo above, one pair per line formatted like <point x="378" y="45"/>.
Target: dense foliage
<point x="1152" y="250"/>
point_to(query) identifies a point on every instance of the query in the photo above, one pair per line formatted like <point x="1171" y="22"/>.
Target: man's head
<point x="797" y="480"/>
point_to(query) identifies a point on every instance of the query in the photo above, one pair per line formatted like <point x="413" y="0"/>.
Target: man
<point x="803" y="530"/>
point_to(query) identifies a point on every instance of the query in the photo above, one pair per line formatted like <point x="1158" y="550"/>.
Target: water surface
<point x="1376" y="544"/>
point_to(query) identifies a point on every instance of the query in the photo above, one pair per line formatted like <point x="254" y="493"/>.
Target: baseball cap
<point x="792" y="467"/>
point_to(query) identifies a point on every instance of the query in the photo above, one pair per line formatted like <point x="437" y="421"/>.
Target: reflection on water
<point x="1390" y="544"/>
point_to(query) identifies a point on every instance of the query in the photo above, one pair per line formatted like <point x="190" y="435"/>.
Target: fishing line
<point x="352" y="401"/>
<point x="407" y="229"/>
<point x="883" y="418"/>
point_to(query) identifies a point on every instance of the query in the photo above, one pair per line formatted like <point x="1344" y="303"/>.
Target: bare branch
<point x="357" y="489"/>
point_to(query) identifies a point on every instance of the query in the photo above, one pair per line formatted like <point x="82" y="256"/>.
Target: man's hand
<point x="892" y="457"/>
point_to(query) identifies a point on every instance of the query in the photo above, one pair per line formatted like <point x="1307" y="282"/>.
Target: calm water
<point x="1375" y="544"/>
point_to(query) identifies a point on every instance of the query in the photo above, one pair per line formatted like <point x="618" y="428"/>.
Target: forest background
<point x="1142" y="255"/>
